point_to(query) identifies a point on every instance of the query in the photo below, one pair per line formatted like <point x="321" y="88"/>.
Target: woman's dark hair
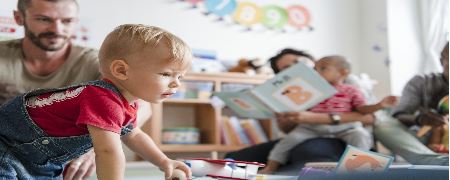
<point x="273" y="60"/>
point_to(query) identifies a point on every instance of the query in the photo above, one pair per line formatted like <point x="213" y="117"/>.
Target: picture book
<point x="296" y="88"/>
<point x="357" y="160"/>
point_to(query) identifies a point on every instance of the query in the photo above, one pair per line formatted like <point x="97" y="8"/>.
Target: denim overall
<point x="27" y="152"/>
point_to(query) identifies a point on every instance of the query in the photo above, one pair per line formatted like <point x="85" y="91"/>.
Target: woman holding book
<point x="314" y="150"/>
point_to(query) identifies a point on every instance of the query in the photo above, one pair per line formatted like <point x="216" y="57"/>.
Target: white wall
<point x="337" y="29"/>
<point x="345" y="27"/>
<point x="404" y="41"/>
<point x="335" y="22"/>
<point x="374" y="44"/>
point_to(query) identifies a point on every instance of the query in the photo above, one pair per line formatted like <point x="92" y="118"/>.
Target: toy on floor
<point x="223" y="169"/>
<point x="438" y="141"/>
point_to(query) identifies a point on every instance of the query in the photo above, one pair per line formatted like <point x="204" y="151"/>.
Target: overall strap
<point x="99" y="83"/>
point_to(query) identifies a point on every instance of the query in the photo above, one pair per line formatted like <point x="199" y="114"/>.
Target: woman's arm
<point x="290" y="119"/>
<point x="109" y="155"/>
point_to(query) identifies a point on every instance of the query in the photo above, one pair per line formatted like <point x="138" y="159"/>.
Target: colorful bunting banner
<point x="249" y="14"/>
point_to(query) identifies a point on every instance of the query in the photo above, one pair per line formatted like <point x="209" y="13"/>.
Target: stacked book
<point x="242" y="131"/>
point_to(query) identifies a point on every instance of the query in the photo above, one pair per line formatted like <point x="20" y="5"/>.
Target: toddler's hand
<point x="389" y="101"/>
<point x="169" y="165"/>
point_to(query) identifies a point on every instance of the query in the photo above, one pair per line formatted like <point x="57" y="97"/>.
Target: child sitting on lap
<point x="333" y="69"/>
<point x="44" y="129"/>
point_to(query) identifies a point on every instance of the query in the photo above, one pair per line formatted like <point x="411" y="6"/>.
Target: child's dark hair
<point x="273" y="60"/>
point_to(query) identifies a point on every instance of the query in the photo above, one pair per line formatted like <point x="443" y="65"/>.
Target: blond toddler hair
<point x="129" y="40"/>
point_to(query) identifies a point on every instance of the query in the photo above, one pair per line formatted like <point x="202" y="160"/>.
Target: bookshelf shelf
<point x="200" y="114"/>
<point x="199" y="148"/>
<point x="187" y="101"/>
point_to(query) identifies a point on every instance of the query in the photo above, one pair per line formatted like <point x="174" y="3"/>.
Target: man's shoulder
<point x="81" y="50"/>
<point x="12" y="42"/>
<point x="8" y="46"/>
<point x="426" y="78"/>
<point x="434" y="76"/>
<point x="84" y="55"/>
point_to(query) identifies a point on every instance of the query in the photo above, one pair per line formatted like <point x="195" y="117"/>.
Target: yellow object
<point x="247" y="13"/>
<point x="445" y="137"/>
<point x="259" y="177"/>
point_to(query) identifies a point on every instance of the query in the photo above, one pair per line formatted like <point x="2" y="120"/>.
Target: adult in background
<point x="46" y="58"/>
<point x="314" y="150"/>
<point x="417" y="107"/>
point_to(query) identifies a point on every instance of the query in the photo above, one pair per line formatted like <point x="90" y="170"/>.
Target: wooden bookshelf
<point x="187" y="101"/>
<point x="205" y="117"/>
<point x="199" y="148"/>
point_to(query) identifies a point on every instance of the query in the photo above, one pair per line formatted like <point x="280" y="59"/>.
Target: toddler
<point x="44" y="129"/>
<point x="333" y="69"/>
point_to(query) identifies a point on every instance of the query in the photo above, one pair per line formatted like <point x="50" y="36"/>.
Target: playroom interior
<point x="387" y="42"/>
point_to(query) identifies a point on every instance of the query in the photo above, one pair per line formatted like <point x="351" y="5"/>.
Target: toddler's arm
<point x="388" y="101"/>
<point x="109" y="156"/>
<point x="144" y="146"/>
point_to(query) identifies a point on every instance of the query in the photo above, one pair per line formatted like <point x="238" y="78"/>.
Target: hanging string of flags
<point x="249" y="14"/>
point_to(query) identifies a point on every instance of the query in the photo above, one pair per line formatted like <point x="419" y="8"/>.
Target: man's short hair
<point x="23" y="5"/>
<point x="128" y="40"/>
<point x="273" y="60"/>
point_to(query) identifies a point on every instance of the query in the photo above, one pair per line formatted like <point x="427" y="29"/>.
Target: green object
<point x="274" y="16"/>
<point x="190" y="94"/>
<point x="443" y="105"/>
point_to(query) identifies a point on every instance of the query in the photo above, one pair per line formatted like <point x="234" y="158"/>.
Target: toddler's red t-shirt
<point x="346" y="99"/>
<point x="67" y="113"/>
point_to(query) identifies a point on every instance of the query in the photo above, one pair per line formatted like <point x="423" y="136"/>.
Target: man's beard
<point x="36" y="39"/>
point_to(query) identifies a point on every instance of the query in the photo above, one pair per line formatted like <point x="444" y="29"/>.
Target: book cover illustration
<point x="358" y="160"/>
<point x="245" y="104"/>
<point x="296" y="88"/>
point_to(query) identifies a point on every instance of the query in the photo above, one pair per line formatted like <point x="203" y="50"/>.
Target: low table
<point x="147" y="171"/>
<point x="409" y="172"/>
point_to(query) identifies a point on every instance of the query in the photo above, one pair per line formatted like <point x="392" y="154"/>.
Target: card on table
<point x="357" y="160"/>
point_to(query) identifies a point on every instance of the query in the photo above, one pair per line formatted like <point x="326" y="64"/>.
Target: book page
<point x="296" y="88"/>
<point x="245" y="104"/>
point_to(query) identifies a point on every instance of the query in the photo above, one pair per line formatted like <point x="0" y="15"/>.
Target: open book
<point x="296" y="88"/>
